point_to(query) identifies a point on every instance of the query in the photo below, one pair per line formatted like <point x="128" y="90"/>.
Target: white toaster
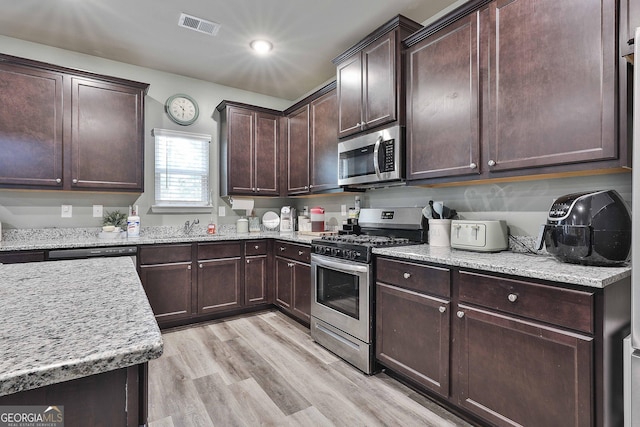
<point x="481" y="236"/>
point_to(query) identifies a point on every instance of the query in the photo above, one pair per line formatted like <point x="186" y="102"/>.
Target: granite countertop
<point x="55" y="238"/>
<point x="64" y="320"/>
<point x="544" y="267"/>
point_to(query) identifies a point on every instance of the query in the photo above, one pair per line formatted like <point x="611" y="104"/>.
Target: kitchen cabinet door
<point x="284" y="283"/>
<point x="514" y="372"/>
<point x="379" y="82"/>
<point x="302" y="292"/>
<point x="349" y="75"/>
<point x="107" y="136"/>
<point x="30" y="126"/>
<point x="255" y="285"/>
<point x="551" y="92"/>
<point x="219" y="285"/>
<point x="168" y="288"/>
<point x="324" y="143"/>
<point x="443" y="117"/>
<point x="266" y="154"/>
<point x="298" y="152"/>
<point x="240" y="146"/>
<point x="412" y="335"/>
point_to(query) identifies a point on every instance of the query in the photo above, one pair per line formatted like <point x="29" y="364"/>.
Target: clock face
<point x="182" y="109"/>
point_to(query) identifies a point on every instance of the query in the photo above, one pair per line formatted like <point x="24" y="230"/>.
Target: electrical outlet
<point x="67" y="211"/>
<point x="97" y="211"/>
<point x="221" y="211"/>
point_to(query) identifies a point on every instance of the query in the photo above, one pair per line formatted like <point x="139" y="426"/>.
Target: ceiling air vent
<point x="198" y="24"/>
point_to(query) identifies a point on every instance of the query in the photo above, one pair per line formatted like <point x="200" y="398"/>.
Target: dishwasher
<point x="80" y="253"/>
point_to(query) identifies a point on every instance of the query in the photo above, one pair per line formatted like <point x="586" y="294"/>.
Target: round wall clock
<point x="182" y="109"/>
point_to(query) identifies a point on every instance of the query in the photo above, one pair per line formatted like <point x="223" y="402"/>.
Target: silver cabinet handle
<point x="248" y="261"/>
<point x="290" y="264"/>
<point x="460" y="314"/>
<point x="258" y="189"/>
<point x="300" y="252"/>
<point x="199" y="265"/>
<point x="282" y="249"/>
<point x="406" y="275"/>
<point x="473" y="166"/>
<point x="58" y="180"/>
<point x="188" y="267"/>
<point x="442" y="309"/>
<point x="75" y="181"/>
<point x="512" y="297"/>
<point x="256" y="247"/>
<point x="491" y="162"/>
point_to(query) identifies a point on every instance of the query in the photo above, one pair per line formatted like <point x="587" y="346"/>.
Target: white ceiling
<point x="307" y="35"/>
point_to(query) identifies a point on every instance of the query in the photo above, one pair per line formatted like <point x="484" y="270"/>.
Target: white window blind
<point x="181" y="168"/>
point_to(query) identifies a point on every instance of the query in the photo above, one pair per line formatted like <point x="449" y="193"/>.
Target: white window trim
<point x="177" y="207"/>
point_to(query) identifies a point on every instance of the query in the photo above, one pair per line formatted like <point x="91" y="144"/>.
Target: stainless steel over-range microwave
<point x="372" y="158"/>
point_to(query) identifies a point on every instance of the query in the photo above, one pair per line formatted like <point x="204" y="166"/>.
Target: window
<point x="181" y="169"/>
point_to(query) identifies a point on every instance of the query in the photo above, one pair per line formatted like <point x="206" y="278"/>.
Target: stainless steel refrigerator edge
<point x="632" y="409"/>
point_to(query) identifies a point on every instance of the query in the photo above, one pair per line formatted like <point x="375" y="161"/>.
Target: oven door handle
<point x="345" y="267"/>
<point x="376" y="163"/>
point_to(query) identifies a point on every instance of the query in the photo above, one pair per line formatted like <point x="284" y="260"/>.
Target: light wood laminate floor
<point x="264" y="369"/>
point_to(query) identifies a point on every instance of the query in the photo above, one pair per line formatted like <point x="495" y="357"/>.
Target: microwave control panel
<point x="387" y="152"/>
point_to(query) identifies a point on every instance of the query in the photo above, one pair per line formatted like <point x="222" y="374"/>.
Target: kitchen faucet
<point x="188" y="227"/>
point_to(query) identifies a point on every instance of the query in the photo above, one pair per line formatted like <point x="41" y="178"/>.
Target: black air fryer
<point x="592" y="228"/>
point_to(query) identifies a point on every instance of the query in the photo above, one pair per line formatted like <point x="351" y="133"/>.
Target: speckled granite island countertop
<point x="64" y="320"/>
<point x="544" y="267"/>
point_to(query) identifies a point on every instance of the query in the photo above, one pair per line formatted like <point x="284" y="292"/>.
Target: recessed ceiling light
<point x="261" y="46"/>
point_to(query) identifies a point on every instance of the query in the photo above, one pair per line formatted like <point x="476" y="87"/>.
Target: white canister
<point x="317" y="219"/>
<point x="440" y="232"/>
<point x="133" y="227"/>
<point x="242" y="225"/>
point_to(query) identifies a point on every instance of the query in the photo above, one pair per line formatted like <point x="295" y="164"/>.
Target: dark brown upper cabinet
<point x="68" y="129"/>
<point x="370" y="79"/>
<point x="249" y="155"/>
<point x="311" y="160"/>
<point x="514" y="87"/>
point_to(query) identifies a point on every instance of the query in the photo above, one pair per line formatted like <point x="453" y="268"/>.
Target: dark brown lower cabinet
<point x="257" y="273"/>
<point x="114" y="398"/>
<point x="220" y="277"/>
<point x="293" y="280"/>
<point x="413" y="335"/>
<point x="514" y="372"/>
<point x="504" y="350"/>
<point x="166" y="273"/>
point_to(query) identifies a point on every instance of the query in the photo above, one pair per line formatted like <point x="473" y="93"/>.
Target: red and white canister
<point x="317" y="219"/>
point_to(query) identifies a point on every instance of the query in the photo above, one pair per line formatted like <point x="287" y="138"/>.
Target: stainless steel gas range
<point x="342" y="281"/>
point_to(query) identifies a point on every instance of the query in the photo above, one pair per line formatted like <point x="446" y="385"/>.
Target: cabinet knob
<point x="306" y="187"/>
<point x="442" y="309"/>
<point x="282" y="249"/>
<point x="58" y="180"/>
<point x="258" y="189"/>
<point x="473" y="166"/>
<point x="406" y="275"/>
<point x="300" y="252"/>
<point x="256" y="247"/>
<point x="290" y="264"/>
<point x="188" y="267"/>
<point x="512" y="297"/>
<point x="248" y="261"/>
<point x="75" y="181"/>
<point x="491" y="162"/>
<point x="460" y="314"/>
<point x="199" y="265"/>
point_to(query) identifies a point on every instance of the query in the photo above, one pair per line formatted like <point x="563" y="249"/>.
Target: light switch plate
<point x="221" y="211"/>
<point x="66" y="211"/>
<point x="343" y="210"/>
<point x="97" y="211"/>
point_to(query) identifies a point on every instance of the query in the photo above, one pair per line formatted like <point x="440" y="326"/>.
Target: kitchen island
<point x="78" y="334"/>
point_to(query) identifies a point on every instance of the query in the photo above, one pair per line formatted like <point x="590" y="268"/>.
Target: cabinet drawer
<point x="293" y="251"/>
<point x="164" y="254"/>
<point x="255" y="247"/>
<point x="563" y="307"/>
<point x="416" y="277"/>
<point x="219" y="250"/>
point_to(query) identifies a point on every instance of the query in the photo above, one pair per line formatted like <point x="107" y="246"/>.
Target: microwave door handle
<point x="376" y="149"/>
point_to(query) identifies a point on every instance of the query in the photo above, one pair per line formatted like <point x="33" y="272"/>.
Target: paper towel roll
<point x="242" y="204"/>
